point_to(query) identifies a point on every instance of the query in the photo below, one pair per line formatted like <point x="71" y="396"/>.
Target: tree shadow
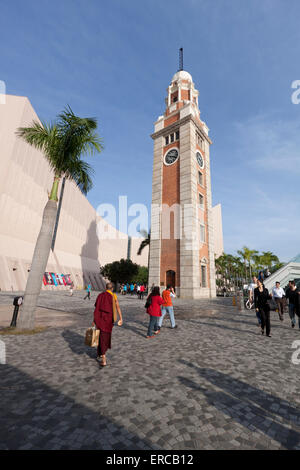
<point x="90" y="260"/>
<point x="37" y="416"/>
<point x="251" y="407"/>
<point x="223" y="327"/>
<point x="243" y="322"/>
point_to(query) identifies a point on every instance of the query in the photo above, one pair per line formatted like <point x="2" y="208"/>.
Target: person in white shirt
<point x="279" y="295"/>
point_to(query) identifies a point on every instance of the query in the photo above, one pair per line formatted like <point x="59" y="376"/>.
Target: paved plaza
<point x="213" y="383"/>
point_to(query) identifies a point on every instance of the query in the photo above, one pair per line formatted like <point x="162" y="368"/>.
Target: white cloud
<point x="261" y="209"/>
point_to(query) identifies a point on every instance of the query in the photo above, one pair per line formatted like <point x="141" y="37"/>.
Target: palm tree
<point x="268" y="259"/>
<point x="221" y="268"/>
<point x="244" y="253"/>
<point x="63" y="144"/>
<point x="247" y="255"/>
<point x="144" y="243"/>
<point x="252" y="257"/>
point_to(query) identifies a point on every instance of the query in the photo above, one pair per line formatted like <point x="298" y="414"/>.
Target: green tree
<point x="120" y="271"/>
<point x="221" y="269"/>
<point x="142" y="275"/>
<point x="63" y="144"/>
<point x="247" y="256"/>
<point x="268" y="259"/>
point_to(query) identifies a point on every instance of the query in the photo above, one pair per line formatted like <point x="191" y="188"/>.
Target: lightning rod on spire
<point x="181" y="58"/>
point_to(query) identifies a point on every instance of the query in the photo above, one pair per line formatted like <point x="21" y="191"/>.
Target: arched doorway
<point x="171" y="278"/>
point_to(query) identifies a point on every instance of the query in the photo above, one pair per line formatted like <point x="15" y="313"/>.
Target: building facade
<point x="182" y="249"/>
<point x="25" y="181"/>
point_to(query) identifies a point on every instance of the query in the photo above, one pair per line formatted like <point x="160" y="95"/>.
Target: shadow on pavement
<point x="223" y="327"/>
<point x="75" y="342"/>
<point x="36" y="416"/>
<point x="248" y="405"/>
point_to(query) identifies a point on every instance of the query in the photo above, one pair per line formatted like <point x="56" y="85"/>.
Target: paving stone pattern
<point x="213" y="383"/>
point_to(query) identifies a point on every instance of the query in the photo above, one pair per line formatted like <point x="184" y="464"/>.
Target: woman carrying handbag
<point x="153" y="304"/>
<point x="261" y="298"/>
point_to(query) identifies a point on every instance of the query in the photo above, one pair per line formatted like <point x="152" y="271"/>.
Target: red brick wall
<point x="170" y="249"/>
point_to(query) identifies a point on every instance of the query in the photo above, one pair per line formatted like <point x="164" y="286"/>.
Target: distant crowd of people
<point x="134" y="288"/>
<point x="261" y="297"/>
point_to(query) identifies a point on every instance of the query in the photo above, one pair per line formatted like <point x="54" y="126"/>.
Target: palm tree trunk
<point x="39" y="262"/>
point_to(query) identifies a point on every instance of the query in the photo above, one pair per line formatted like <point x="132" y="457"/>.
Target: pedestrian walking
<point x="71" y="288"/>
<point x="105" y="315"/>
<point x="153" y="304"/>
<point x="88" y="292"/>
<point x="261" y="297"/>
<point x="279" y="295"/>
<point x="142" y="291"/>
<point x="292" y="295"/>
<point x="251" y="289"/>
<point x="261" y="276"/>
<point x="167" y="306"/>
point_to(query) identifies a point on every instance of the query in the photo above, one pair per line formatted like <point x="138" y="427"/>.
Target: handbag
<point x="272" y="305"/>
<point x="92" y="337"/>
<point x="148" y="302"/>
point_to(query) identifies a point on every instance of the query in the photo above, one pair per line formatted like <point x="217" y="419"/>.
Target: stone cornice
<point x="174" y="126"/>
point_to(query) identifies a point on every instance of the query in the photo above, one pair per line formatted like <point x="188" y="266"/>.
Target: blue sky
<point x="114" y="60"/>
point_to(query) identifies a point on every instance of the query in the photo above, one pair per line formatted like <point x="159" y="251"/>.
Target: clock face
<point x="200" y="160"/>
<point x="171" y="156"/>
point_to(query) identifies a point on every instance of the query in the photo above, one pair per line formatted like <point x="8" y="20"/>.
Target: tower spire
<point x="180" y="59"/>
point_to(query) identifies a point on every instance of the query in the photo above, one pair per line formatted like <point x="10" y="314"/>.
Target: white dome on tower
<point x="182" y="75"/>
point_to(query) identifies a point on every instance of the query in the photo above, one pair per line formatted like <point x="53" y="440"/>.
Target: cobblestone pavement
<point x="213" y="383"/>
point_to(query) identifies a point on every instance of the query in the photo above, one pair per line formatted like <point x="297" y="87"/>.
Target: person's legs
<point x="152" y="322"/>
<point x="279" y="308"/>
<point x="281" y="303"/>
<point x="104" y="345"/>
<point x="268" y="323"/>
<point x="292" y="314"/>
<point x="160" y="320"/>
<point x="155" y="325"/>
<point x="258" y="316"/>
<point x="170" y="311"/>
<point x="263" y="319"/>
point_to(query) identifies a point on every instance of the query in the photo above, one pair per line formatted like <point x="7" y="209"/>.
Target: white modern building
<point x="289" y="272"/>
<point x="25" y="180"/>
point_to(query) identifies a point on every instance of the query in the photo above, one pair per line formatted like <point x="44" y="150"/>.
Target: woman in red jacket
<point x="154" y="311"/>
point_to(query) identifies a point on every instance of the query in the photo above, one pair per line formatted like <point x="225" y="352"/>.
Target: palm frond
<point x="64" y="144"/>
<point x="81" y="172"/>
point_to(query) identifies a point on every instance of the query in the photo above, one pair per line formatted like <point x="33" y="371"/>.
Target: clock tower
<point x="182" y="248"/>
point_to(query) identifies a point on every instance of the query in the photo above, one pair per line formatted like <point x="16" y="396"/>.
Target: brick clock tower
<point x="182" y="248"/>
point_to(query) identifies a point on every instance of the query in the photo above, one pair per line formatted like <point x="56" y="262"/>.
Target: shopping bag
<point x="92" y="337"/>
